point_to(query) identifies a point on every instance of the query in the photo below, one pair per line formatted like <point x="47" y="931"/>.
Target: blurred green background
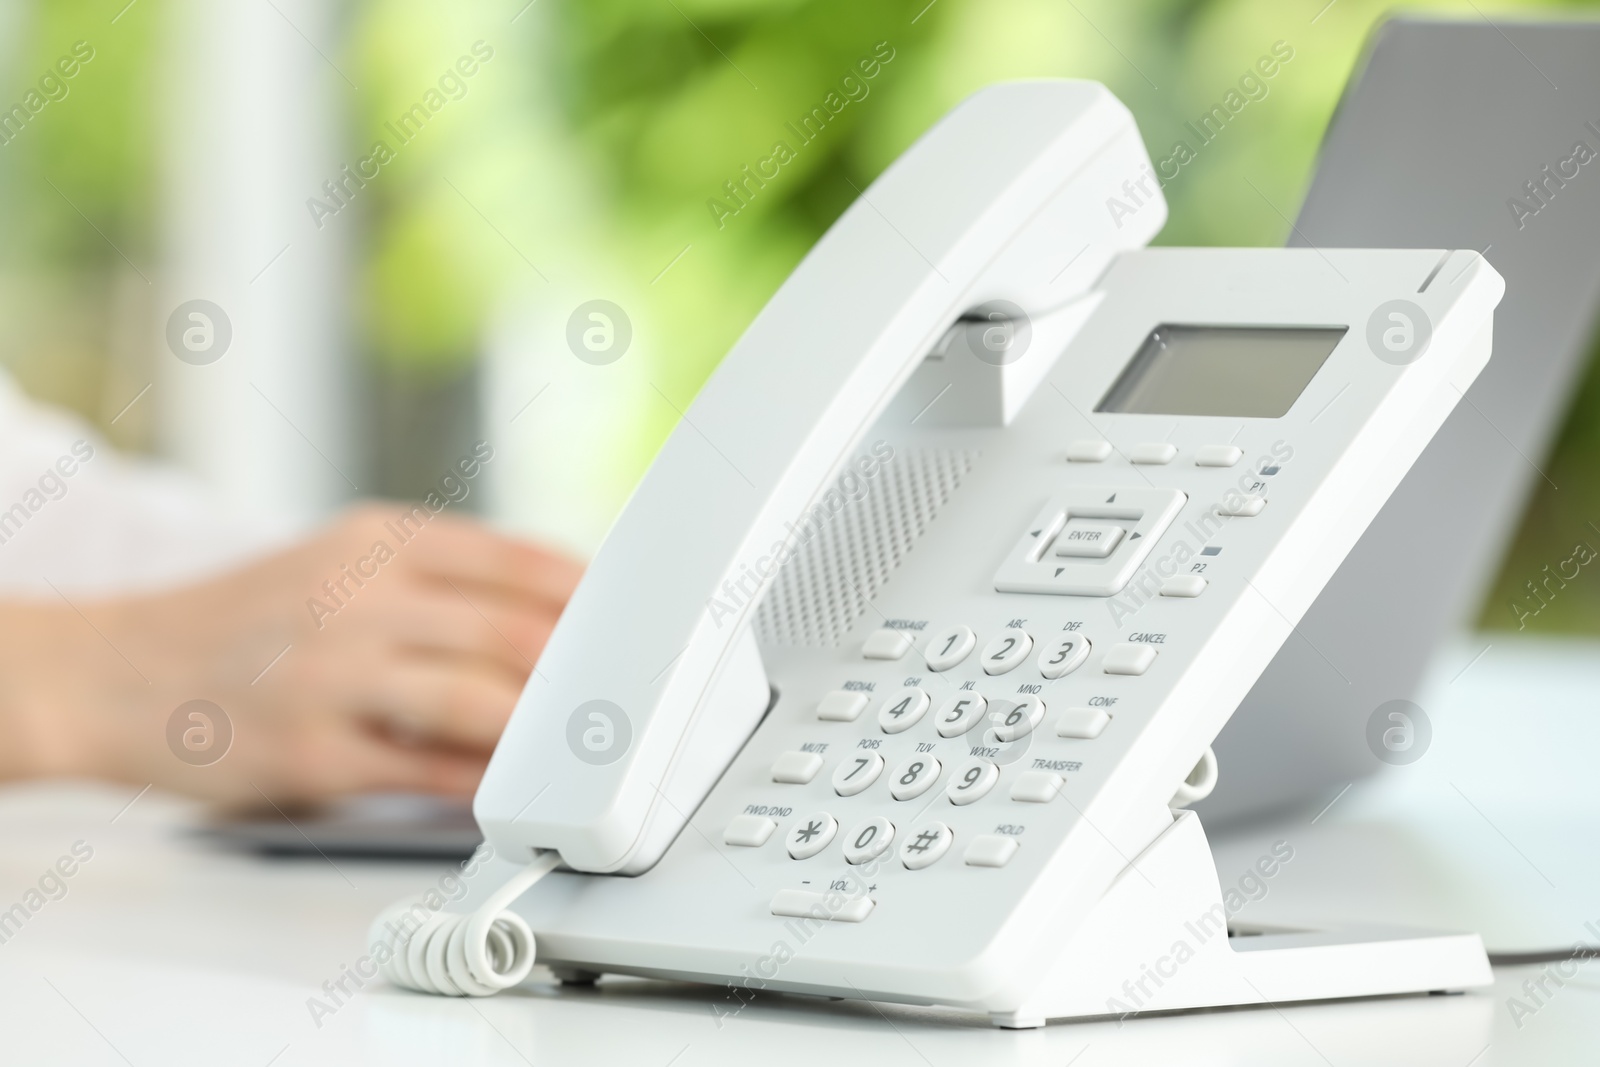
<point x="599" y="136"/>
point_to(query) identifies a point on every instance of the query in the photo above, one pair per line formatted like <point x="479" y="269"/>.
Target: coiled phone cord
<point x="455" y="954"/>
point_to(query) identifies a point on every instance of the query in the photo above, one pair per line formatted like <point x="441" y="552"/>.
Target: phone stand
<point x="1160" y="940"/>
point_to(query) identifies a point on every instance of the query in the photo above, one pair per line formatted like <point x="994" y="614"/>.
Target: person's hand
<point x="386" y="652"/>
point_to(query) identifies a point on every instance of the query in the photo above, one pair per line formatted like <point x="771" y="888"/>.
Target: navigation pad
<point x="1088" y="542"/>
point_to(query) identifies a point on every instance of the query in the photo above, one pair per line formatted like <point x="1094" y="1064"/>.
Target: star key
<point x="810" y="834"/>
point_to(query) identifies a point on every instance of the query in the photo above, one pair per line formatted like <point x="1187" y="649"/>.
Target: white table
<point x="164" y="953"/>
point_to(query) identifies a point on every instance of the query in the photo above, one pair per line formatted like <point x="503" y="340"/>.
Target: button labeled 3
<point x="1064" y="655"/>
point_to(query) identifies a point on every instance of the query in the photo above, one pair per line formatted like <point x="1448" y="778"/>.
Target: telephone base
<point x="1160" y="941"/>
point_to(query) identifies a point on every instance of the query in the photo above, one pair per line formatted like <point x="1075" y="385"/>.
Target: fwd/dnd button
<point x="804" y="904"/>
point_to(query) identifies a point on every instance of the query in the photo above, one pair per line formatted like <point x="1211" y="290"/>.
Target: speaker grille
<point x="827" y="584"/>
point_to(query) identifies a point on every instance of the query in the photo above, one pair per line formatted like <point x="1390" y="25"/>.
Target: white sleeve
<point x="78" y="516"/>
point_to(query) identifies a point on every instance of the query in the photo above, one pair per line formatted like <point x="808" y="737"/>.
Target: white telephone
<point x="895" y="672"/>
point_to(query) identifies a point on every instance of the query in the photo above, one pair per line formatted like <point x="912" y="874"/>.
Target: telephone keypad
<point x="913" y="776"/>
<point x="902" y="710"/>
<point x="948" y="647"/>
<point x="925" y="844"/>
<point x="1009" y="648"/>
<point x="856" y="772"/>
<point x="869" y="840"/>
<point x="811" y="834"/>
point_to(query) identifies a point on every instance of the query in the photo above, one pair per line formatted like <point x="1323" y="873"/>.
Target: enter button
<point x="1080" y="537"/>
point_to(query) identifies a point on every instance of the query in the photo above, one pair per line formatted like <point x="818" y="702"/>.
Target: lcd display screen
<point x="1237" y="371"/>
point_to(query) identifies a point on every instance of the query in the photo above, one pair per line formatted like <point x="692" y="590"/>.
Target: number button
<point x="902" y="710"/>
<point x="948" y="647"/>
<point x="924" y="845"/>
<point x="869" y="840"/>
<point x="972" y="780"/>
<point x="856" y="773"/>
<point x="811" y="835"/>
<point x="960" y="713"/>
<point x="913" y="777"/>
<point x="1064" y="655"/>
<point x="1006" y="651"/>
<point x="1013" y="720"/>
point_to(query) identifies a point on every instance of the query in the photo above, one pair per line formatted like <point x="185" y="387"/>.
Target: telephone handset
<point x="994" y="202"/>
<point x="926" y="614"/>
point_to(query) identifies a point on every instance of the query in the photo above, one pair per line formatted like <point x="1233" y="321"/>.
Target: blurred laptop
<point x="1439" y="134"/>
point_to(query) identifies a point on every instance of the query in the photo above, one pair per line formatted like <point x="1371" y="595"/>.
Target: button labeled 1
<point x="948" y="647"/>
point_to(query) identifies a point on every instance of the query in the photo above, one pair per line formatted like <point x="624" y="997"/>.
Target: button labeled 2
<point x="1006" y="651"/>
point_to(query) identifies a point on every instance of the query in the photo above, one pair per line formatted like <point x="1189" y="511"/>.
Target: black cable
<point x="1552" y="955"/>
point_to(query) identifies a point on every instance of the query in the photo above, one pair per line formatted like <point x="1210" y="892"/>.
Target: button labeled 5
<point x="960" y="713"/>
